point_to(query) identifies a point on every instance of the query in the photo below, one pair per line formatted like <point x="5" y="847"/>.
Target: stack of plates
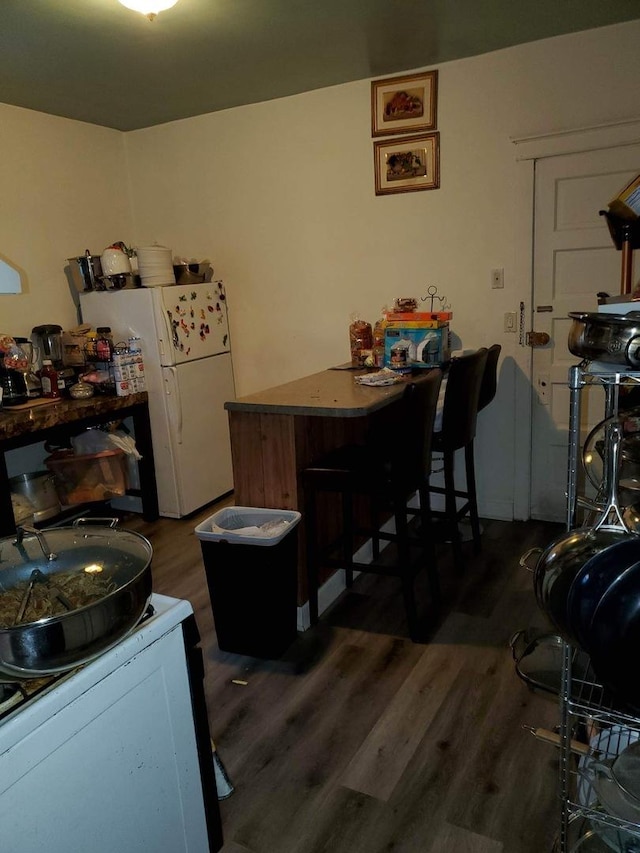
<point x="155" y="266"/>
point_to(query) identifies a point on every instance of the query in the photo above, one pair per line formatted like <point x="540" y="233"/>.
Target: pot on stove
<point x="68" y="594"/>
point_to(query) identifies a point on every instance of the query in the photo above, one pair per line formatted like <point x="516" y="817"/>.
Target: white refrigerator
<point x="187" y="359"/>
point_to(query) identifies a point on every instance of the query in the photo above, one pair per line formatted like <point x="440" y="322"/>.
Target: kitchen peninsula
<point x="278" y="432"/>
<point x="58" y="419"/>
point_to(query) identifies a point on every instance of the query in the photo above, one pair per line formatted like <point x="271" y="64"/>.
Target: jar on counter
<point x="360" y="338"/>
<point x="104" y="343"/>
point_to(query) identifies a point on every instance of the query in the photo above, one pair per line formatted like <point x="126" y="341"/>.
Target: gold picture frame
<point x="407" y="163"/>
<point x="406" y="104"/>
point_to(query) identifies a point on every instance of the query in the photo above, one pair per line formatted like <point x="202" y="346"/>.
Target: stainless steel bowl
<point x="194" y="273"/>
<point x="58" y="643"/>
<point x="612" y="338"/>
<point x="38" y="487"/>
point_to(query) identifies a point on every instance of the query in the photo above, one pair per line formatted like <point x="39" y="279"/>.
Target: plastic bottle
<point x="378" y="342"/>
<point x="49" y="380"/>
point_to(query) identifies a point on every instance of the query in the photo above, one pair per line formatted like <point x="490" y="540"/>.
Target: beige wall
<point x="280" y="197"/>
<point x="63" y="189"/>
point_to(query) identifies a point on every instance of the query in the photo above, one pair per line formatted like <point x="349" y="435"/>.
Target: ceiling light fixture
<point x="150" y="8"/>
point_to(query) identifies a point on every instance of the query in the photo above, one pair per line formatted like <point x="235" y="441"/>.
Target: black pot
<point x="596" y="579"/>
<point x="615" y="639"/>
<point x="559" y="564"/>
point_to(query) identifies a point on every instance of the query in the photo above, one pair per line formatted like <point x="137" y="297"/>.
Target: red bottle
<point x="49" y="380"/>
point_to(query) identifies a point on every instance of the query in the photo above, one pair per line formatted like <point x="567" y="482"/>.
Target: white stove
<point x="110" y="756"/>
<point x="162" y="613"/>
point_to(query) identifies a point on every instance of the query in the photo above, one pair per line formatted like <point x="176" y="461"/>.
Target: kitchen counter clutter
<point x="57" y="420"/>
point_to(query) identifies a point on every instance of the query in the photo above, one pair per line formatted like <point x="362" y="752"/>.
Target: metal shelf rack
<point x="584" y="704"/>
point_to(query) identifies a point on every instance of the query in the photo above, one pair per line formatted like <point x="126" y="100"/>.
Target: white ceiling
<point x="96" y="61"/>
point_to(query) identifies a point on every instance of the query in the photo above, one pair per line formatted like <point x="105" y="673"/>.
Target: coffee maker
<point x="47" y="341"/>
<point x="13" y="361"/>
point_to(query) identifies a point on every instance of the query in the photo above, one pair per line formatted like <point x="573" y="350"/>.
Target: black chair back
<point x="412" y="453"/>
<point x="490" y="377"/>
<point x="459" y="414"/>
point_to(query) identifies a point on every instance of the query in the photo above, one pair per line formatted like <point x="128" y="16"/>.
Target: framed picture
<point x="404" y="104"/>
<point x="407" y="164"/>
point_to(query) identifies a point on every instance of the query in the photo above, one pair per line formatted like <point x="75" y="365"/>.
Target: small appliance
<point x="34" y="386"/>
<point x="47" y="341"/>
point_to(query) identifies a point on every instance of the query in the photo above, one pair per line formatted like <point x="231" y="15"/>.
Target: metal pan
<point x="73" y="634"/>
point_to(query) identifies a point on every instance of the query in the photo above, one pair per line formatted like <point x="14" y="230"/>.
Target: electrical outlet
<point x="497" y="278"/>
<point x="510" y="321"/>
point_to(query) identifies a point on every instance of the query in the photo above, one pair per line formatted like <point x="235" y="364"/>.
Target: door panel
<point x="574" y="259"/>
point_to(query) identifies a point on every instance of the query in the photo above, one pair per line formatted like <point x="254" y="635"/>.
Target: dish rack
<point x="592" y="727"/>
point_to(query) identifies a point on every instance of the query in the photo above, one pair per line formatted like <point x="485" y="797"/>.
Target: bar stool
<point x="385" y="472"/>
<point x="459" y="415"/>
<point x="490" y="377"/>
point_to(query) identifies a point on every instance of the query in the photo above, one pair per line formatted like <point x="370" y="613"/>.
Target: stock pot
<point x="67" y="594"/>
<point x="612" y="338"/>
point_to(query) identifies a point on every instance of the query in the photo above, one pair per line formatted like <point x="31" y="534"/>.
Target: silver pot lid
<point x="84" y="550"/>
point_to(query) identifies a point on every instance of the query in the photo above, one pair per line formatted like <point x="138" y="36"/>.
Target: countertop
<point x="330" y="393"/>
<point x="42" y="415"/>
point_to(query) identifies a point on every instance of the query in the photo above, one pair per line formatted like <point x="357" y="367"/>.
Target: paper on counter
<point x="386" y="376"/>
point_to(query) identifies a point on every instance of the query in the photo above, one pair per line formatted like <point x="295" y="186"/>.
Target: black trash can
<point x="251" y="563"/>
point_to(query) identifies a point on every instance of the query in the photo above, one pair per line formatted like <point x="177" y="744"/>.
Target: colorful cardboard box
<point x="413" y="316"/>
<point x="416" y="344"/>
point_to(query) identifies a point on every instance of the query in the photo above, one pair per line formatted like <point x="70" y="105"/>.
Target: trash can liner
<point x="252" y="588"/>
<point x="249" y="525"/>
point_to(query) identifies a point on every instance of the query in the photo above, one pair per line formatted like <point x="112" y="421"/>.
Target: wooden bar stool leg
<point x="473" y="501"/>
<point x="375" y="524"/>
<point x="347" y="537"/>
<point x="407" y="573"/>
<point x="312" y="552"/>
<point x="426" y="535"/>
<point x="451" y="510"/>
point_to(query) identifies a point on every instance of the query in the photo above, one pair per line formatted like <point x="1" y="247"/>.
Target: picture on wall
<point x="407" y="164"/>
<point x="404" y="104"/>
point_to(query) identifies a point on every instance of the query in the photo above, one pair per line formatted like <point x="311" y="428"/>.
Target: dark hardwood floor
<point x="360" y="741"/>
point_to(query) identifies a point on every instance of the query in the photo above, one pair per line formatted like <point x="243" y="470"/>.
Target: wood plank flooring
<point x="360" y="741"/>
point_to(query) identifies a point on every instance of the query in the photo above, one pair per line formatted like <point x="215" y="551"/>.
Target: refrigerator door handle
<point x="165" y="335"/>
<point x="172" y="391"/>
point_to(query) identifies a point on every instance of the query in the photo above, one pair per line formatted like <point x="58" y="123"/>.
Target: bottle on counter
<point x="49" y="380"/>
<point x="104" y="344"/>
<point x="378" y="342"/>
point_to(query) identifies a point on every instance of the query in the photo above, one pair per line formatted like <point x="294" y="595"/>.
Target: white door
<point x="574" y="259"/>
<point x="195" y="394"/>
